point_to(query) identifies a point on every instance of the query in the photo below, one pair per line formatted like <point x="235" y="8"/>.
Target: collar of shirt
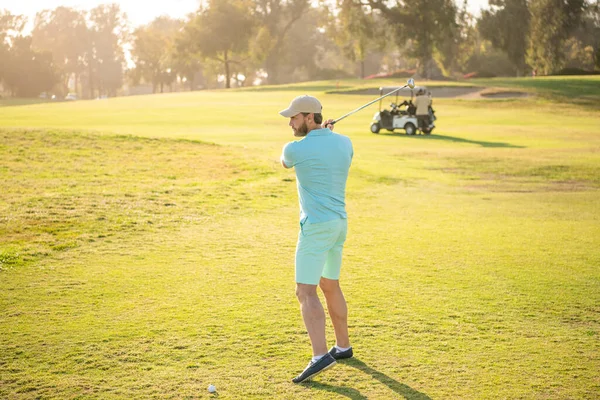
<point x="319" y="132"/>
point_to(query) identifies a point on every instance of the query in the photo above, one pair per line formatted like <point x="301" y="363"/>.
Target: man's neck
<point x="313" y="127"/>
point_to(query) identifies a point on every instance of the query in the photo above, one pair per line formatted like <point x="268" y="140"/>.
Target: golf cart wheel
<point x="410" y="128"/>
<point x="375" y="127"/>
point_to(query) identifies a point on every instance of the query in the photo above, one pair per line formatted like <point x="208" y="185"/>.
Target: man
<point x="321" y="160"/>
<point x="422" y="102"/>
<point x="432" y="117"/>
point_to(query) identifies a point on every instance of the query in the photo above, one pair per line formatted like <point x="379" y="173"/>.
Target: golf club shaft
<point x="368" y="104"/>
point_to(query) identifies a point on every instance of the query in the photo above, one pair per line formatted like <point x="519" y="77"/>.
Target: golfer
<point x="423" y="102"/>
<point x="322" y="159"/>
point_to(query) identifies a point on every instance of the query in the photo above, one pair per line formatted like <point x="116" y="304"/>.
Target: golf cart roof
<point x="390" y="88"/>
<point x="406" y="90"/>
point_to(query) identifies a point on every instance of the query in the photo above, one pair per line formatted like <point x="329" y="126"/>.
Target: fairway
<point x="147" y="248"/>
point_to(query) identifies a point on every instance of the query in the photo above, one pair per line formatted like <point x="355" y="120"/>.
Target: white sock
<point x="342" y="348"/>
<point x="317" y="358"/>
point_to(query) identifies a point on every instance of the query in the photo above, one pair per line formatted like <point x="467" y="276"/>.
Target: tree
<point x="64" y="33"/>
<point x="587" y="34"/>
<point x="594" y="18"/>
<point x="24" y="71"/>
<point x="222" y="32"/>
<point x="552" y="21"/>
<point x="453" y="53"/>
<point x="152" y="50"/>
<point x="577" y="55"/>
<point x="425" y="23"/>
<point x="10" y="25"/>
<point x="276" y="19"/>
<point x="186" y="56"/>
<point x="108" y="32"/>
<point x="28" y="72"/>
<point x="355" y="31"/>
<point x="309" y="53"/>
<point x="506" y="26"/>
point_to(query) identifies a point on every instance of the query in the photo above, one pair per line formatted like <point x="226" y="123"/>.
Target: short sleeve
<point x="287" y="155"/>
<point x="350" y="148"/>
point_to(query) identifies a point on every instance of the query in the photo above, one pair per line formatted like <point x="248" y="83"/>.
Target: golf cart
<point x="401" y="115"/>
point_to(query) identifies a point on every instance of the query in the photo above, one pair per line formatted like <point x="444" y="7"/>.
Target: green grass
<point x="566" y="90"/>
<point x="147" y="248"/>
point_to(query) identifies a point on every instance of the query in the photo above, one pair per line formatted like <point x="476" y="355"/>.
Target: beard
<point x="301" y="131"/>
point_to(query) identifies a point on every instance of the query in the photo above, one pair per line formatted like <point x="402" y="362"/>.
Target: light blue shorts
<point x="319" y="251"/>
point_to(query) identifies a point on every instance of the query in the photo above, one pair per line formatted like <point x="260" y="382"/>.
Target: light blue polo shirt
<point x="322" y="160"/>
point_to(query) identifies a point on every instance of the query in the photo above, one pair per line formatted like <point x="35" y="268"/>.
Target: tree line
<point x="242" y="42"/>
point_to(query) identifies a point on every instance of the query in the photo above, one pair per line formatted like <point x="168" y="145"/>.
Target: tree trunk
<point x="65" y="84"/>
<point x="425" y="66"/>
<point x="91" y="81"/>
<point x="272" y="68"/>
<point x="227" y="72"/>
<point x="362" y="69"/>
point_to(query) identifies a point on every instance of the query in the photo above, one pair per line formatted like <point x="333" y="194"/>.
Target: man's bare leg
<point x="338" y="311"/>
<point x="314" y="317"/>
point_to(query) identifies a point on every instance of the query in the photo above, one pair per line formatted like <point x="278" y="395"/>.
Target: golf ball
<point x="212" y="388"/>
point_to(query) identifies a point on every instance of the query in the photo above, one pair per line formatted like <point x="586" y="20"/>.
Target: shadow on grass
<point x="10" y="102"/>
<point x="456" y="140"/>
<point x="341" y="390"/>
<point x="293" y="88"/>
<point x="403" y="390"/>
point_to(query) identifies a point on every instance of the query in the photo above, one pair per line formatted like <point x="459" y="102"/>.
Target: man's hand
<point x="327" y="124"/>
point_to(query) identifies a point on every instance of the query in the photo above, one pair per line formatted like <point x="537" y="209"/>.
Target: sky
<point x="139" y="12"/>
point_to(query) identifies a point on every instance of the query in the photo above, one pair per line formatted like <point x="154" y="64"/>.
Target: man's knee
<point x="304" y="291"/>
<point x="329" y="285"/>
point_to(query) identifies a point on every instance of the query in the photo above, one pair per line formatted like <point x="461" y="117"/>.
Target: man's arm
<point x="286" y="155"/>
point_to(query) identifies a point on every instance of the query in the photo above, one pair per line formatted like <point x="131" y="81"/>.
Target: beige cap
<point x="302" y="104"/>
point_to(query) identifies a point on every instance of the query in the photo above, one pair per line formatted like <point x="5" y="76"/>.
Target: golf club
<point x="410" y="83"/>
